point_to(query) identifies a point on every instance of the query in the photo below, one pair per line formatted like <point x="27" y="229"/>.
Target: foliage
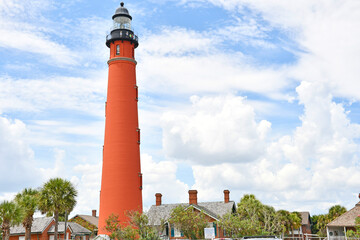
<point x="85" y="224"/>
<point x="254" y="218"/>
<point x="136" y="228"/>
<point x="57" y="196"/>
<point x="356" y="233"/>
<point x="10" y="215"/>
<point x="295" y="221"/>
<point x="189" y="221"/>
<point x="335" y="211"/>
<point x="28" y="201"/>
<point x="320" y="221"/>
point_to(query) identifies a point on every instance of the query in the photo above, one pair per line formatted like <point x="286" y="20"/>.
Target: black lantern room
<point x="122" y="29"/>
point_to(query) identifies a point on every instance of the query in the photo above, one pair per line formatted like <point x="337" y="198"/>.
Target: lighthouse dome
<point x="122" y="11"/>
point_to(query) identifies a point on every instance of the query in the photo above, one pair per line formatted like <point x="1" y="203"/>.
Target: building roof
<point x="89" y="218"/>
<point x="38" y="226"/>
<point x="75" y="228"/>
<point x="347" y="219"/>
<point x="305" y="218"/>
<point x="212" y="209"/>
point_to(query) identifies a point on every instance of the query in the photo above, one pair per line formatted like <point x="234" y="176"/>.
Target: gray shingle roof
<point x="75" y="228"/>
<point x="89" y="218"/>
<point x="38" y="226"/>
<point x="347" y="219"/>
<point x="213" y="209"/>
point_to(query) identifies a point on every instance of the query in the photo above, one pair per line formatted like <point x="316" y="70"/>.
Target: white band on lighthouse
<point x="121" y="59"/>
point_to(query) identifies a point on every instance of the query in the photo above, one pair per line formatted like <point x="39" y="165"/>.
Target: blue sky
<point x="253" y="96"/>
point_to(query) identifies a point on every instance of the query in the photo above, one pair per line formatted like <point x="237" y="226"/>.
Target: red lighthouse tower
<point x="121" y="183"/>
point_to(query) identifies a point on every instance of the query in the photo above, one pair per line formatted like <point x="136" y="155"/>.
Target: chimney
<point x="94" y="213"/>
<point x="193" y="197"/>
<point x="158" y="199"/>
<point x="226" y="196"/>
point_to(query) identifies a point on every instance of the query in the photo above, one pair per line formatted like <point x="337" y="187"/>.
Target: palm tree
<point x="335" y="211"/>
<point x="57" y="196"/>
<point x="10" y="215"/>
<point x="28" y="201"/>
<point x="295" y="221"/>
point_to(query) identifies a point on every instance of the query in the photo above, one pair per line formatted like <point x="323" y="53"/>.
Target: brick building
<point x="43" y="228"/>
<point x="213" y="210"/>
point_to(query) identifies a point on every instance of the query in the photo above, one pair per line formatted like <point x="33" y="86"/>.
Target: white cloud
<point x="160" y="177"/>
<point x="318" y="163"/>
<point x="326" y="31"/>
<point x="88" y="186"/>
<point x="214" y="130"/>
<point x="181" y="61"/>
<point x="85" y="95"/>
<point x="16" y="157"/>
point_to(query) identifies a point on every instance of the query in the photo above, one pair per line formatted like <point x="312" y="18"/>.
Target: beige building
<point x="336" y="230"/>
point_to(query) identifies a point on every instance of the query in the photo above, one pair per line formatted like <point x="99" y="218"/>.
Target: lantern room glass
<point x="122" y="23"/>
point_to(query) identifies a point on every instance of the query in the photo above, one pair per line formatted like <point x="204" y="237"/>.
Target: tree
<point x="269" y="220"/>
<point x="283" y="219"/>
<point x="295" y="221"/>
<point x="57" y="196"/>
<point x="189" y="221"/>
<point x="320" y="221"/>
<point x="28" y="201"/>
<point x="335" y="211"/>
<point x="137" y="228"/>
<point x="249" y="210"/>
<point x="10" y="215"/>
<point x="255" y="218"/>
<point x="356" y="233"/>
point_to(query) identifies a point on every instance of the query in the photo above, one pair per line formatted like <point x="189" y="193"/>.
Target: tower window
<point x="140" y="178"/>
<point x="117" y="49"/>
<point x="136" y="93"/>
<point x="133" y="55"/>
<point x="138" y="135"/>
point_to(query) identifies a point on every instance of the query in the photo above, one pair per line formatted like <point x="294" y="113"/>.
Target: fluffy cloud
<point x="160" y="177"/>
<point x="312" y="164"/>
<point x="214" y="130"/>
<point x="326" y="32"/>
<point x="87" y="181"/>
<point x="16" y="157"/>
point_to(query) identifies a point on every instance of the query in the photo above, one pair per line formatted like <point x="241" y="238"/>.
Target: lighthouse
<point x="121" y="181"/>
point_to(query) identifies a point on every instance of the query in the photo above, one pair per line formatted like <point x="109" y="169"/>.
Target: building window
<point x="133" y="54"/>
<point x="21" y="237"/>
<point x="117" y="49"/>
<point x="51" y="237"/>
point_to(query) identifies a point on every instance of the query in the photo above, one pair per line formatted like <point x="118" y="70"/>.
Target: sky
<point x="254" y="96"/>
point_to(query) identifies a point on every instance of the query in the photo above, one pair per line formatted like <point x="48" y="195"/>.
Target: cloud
<point x="16" y="157"/>
<point x="326" y="32"/>
<point x="32" y="95"/>
<point x="214" y="130"/>
<point x="160" y="177"/>
<point x="19" y="31"/>
<point x="310" y="165"/>
<point x="87" y="181"/>
<point x="181" y="61"/>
